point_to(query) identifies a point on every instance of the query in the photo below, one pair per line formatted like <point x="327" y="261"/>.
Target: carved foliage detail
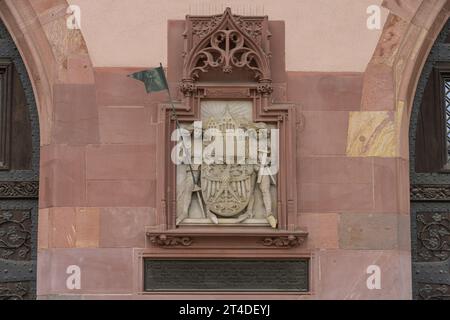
<point x="283" y="242"/>
<point x="171" y="241"/>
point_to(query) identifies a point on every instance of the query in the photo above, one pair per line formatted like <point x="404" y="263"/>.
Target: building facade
<point x="353" y="95"/>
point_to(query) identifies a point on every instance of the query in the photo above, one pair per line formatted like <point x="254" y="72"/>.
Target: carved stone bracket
<point x="170" y="241"/>
<point x="188" y="88"/>
<point x="265" y="88"/>
<point x="222" y="238"/>
<point x="284" y="242"/>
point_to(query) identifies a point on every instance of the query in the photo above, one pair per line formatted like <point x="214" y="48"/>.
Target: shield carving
<point x="227" y="188"/>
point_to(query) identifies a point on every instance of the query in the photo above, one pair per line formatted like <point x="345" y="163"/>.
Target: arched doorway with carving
<point x="19" y="175"/>
<point x="430" y="175"/>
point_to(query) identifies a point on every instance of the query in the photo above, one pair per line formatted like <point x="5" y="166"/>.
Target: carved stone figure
<point x="264" y="179"/>
<point x="189" y="187"/>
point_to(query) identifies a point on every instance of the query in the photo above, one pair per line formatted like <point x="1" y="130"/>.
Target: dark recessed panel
<point x="227" y="275"/>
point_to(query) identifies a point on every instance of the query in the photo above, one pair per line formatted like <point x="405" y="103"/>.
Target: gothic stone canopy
<point x="226" y="43"/>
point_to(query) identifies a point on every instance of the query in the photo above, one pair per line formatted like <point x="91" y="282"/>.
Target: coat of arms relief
<point x="236" y="190"/>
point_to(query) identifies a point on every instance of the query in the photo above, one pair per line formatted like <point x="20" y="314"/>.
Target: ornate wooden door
<point x="19" y="173"/>
<point x="430" y="175"/>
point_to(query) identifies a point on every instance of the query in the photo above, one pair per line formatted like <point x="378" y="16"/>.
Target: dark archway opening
<point x="430" y="175"/>
<point x="19" y="175"/>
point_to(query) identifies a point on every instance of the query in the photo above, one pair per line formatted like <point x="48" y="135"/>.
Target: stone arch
<point x="392" y="75"/>
<point x="45" y="44"/>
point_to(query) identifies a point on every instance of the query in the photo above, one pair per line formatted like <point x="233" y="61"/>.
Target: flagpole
<point x="175" y="116"/>
<point x="187" y="153"/>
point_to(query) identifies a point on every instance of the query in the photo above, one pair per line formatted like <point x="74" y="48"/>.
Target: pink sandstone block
<point x="336" y="197"/>
<point x="76" y="115"/>
<point x="324" y="133"/>
<point x="378" y="91"/>
<point x="103" y="271"/>
<point x="114" y="88"/>
<point x="317" y="91"/>
<point x="121" y="193"/>
<point x="127" y="125"/>
<point x="335" y="170"/>
<point x="120" y="162"/>
<point x="63" y="228"/>
<point x="322" y="228"/>
<point x="43" y="229"/>
<point x="125" y="227"/>
<point x="369" y="231"/>
<point x="63" y="176"/>
<point x="342" y="274"/>
<point x="387" y="185"/>
<point x="79" y="70"/>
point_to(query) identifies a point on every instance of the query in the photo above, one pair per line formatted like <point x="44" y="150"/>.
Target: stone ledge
<point x="225" y="238"/>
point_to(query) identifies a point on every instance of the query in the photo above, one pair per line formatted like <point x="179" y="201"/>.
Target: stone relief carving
<point x="242" y="192"/>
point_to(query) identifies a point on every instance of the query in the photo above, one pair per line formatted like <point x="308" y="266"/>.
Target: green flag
<point x="154" y="79"/>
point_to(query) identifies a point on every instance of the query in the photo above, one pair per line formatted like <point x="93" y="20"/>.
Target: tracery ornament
<point x="226" y="43"/>
<point x="202" y="27"/>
